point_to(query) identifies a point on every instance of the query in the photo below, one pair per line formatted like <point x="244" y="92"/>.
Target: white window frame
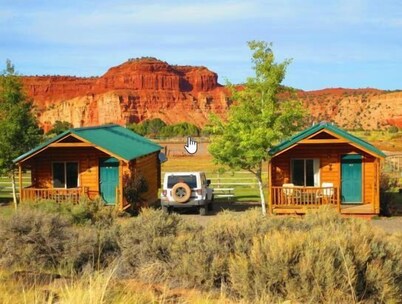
<point x="316" y="168"/>
<point x="65" y="173"/>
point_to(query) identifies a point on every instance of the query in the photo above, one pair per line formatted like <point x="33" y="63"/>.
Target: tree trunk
<point x="258" y="175"/>
<point x="14" y="191"/>
<point x="262" y="196"/>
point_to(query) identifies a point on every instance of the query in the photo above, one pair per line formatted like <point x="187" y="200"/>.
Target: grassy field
<point x="383" y="140"/>
<point x="5" y="185"/>
<point x="243" y="182"/>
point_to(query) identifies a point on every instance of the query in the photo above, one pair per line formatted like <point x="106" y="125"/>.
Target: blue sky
<point x="344" y="43"/>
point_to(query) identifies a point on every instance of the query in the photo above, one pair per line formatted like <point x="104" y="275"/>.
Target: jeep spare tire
<point x="181" y="192"/>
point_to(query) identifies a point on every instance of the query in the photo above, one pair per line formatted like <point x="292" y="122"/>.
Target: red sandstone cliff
<point x="149" y="88"/>
<point x="131" y="92"/>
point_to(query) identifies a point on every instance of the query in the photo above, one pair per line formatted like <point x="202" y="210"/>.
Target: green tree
<point x="19" y="130"/>
<point x="393" y="129"/>
<point x="257" y="120"/>
<point x="58" y="128"/>
<point x="180" y="129"/>
<point x="150" y="127"/>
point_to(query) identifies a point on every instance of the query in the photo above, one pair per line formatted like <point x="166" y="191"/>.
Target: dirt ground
<point x="388" y="224"/>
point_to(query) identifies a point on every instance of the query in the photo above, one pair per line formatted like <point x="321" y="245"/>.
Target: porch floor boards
<point x="345" y="209"/>
<point x="357" y="209"/>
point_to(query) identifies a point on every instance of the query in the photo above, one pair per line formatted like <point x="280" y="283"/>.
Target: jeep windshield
<point x="190" y="180"/>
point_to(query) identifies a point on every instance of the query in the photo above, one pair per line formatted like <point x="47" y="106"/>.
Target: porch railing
<point x="59" y="195"/>
<point x="295" y="197"/>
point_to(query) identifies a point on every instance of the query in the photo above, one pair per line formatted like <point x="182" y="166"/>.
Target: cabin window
<point x="306" y="172"/>
<point x="65" y="175"/>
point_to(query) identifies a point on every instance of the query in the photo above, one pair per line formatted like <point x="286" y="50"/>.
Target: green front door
<point x="108" y="179"/>
<point x="351" y="166"/>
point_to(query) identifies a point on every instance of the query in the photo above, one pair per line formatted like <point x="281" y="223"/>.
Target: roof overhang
<point x="337" y="139"/>
<point x="57" y="143"/>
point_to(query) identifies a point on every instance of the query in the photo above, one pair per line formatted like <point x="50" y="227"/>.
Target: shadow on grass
<point x="238" y="204"/>
<point x="234" y="206"/>
<point x="390" y="203"/>
<point x="5" y="201"/>
<point x="6" y="207"/>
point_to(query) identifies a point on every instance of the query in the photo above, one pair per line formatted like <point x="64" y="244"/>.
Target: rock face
<point x="148" y="88"/>
<point x="131" y="92"/>
<point x="367" y="109"/>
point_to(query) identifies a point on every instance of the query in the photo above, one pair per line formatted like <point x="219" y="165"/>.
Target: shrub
<point x="335" y="264"/>
<point x="320" y="258"/>
<point x="84" y="212"/>
<point x="180" y="129"/>
<point x="155" y="128"/>
<point x="58" y="128"/>
<point x="94" y="212"/>
<point x="134" y="187"/>
<point x="92" y="248"/>
<point x="151" y="127"/>
<point x="387" y="183"/>
<point x="42" y="236"/>
<point x="317" y="259"/>
<point x="147" y="241"/>
<point x="33" y="239"/>
<point x="393" y="129"/>
<point x="202" y="259"/>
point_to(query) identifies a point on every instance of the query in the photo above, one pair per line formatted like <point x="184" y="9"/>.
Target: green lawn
<point x="6" y="207"/>
<point x="5" y="185"/>
<point x="244" y="183"/>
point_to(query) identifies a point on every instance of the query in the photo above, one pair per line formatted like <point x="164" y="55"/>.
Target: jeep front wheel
<point x="181" y="192"/>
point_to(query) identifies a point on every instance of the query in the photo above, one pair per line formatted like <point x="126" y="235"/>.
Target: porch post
<point x="338" y="195"/>
<point x="376" y="187"/>
<point x="269" y="188"/>
<point x="20" y="181"/>
<point x="120" y="195"/>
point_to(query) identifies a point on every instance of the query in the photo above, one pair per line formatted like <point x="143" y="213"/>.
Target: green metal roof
<point x="318" y="127"/>
<point x="115" y="139"/>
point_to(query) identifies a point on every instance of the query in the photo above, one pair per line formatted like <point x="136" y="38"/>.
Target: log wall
<point x="330" y="167"/>
<point x="149" y="167"/>
<point x="88" y="167"/>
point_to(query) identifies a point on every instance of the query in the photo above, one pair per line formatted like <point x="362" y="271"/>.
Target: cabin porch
<point x="298" y="200"/>
<point x="55" y="194"/>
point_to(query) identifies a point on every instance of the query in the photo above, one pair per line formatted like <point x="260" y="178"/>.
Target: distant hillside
<point x="148" y="88"/>
<point x="367" y="109"/>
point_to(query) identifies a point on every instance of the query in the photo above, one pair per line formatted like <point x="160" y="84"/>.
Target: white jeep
<point x="186" y="189"/>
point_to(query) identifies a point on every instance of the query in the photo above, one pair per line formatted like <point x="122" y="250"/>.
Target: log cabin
<point x="92" y="162"/>
<point x="324" y="165"/>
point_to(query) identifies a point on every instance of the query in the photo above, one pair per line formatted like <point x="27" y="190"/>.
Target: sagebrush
<point x="243" y="256"/>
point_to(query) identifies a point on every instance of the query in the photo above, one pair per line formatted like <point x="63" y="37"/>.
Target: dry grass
<point x="239" y="257"/>
<point x="247" y="257"/>
<point x="382" y="139"/>
<point x="98" y="288"/>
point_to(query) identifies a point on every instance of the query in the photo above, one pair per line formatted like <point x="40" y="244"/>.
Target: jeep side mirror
<point x="208" y="182"/>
